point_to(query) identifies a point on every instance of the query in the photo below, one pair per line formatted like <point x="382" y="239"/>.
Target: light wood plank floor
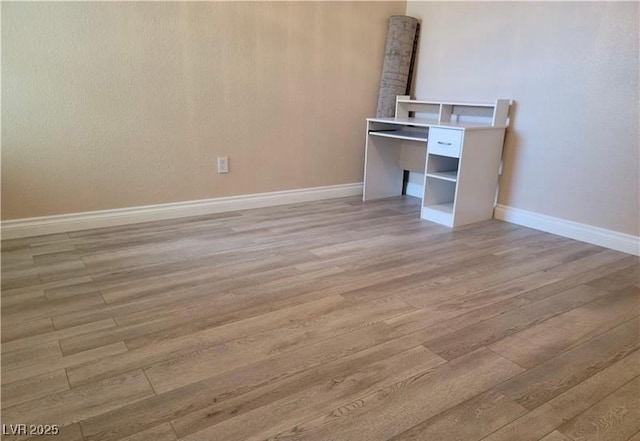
<point x="332" y="320"/>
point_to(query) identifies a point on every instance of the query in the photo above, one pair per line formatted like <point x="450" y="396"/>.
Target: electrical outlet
<point x="223" y="164"/>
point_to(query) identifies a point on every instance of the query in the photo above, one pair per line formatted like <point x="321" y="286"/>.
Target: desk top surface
<point x="420" y="122"/>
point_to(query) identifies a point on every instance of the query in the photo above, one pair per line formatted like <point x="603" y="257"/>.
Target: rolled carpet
<point x="398" y="62"/>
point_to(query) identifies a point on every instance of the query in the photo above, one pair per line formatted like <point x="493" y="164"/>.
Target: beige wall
<point x="572" y="68"/>
<point x="109" y="105"/>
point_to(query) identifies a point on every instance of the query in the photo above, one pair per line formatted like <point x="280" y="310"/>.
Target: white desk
<point x="459" y="153"/>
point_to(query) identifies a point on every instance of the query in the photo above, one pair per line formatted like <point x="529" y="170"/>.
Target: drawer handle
<point x="444" y="143"/>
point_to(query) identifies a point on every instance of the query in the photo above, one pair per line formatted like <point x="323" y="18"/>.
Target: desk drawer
<point x="445" y="142"/>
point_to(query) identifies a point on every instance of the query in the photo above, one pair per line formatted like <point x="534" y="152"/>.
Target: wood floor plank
<point x="618" y="280"/>
<point x="615" y="418"/>
<point x="395" y="409"/>
<point x="205" y="363"/>
<point x="30" y="354"/>
<point x="458" y="305"/>
<point x="33" y="387"/>
<point x="551" y="378"/>
<point x="41" y="249"/>
<point x="173" y="404"/>
<point x="494" y="329"/>
<point x="555" y="436"/>
<point x="23" y="329"/>
<point x="485" y="275"/>
<point x="13" y="244"/>
<point x="49" y="308"/>
<point x="263" y="395"/>
<point x="534" y="295"/>
<point x="168" y="349"/>
<point x="35" y="368"/>
<point x="78" y="404"/>
<point x="186" y="319"/>
<point x="24" y="298"/>
<point x="168" y="298"/>
<point x="419" y="282"/>
<point x="541" y="342"/>
<point x="163" y="432"/>
<point x="162" y="327"/>
<point x="545" y="418"/>
<point x="226" y="260"/>
<point x="16" y="258"/>
<point x="58" y="284"/>
<point x="635" y="437"/>
<point x="59" y="335"/>
<point x="472" y="299"/>
<point x="69" y="287"/>
<point x="264" y="269"/>
<point x="281" y="414"/>
<point x="58" y="271"/>
<point x="19" y="279"/>
<point x="587" y="263"/>
<point x="468" y="421"/>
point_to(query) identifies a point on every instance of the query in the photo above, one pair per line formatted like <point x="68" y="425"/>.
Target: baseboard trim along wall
<point x="18" y="228"/>
<point x="36" y="226"/>
<point x="573" y="230"/>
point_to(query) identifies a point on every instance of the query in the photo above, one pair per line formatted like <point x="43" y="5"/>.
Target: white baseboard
<point x="36" y="226"/>
<point x="573" y="230"/>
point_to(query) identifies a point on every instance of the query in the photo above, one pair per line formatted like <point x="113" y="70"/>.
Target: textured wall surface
<point x="109" y="105"/>
<point x="398" y="54"/>
<point x="572" y="68"/>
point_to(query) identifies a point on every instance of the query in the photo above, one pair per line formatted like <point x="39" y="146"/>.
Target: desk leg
<point x="382" y="172"/>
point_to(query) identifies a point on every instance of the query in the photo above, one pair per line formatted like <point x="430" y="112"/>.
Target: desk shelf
<point x="408" y="135"/>
<point x="439" y="213"/>
<point x="446" y="208"/>
<point x="442" y="167"/>
<point x="451" y="176"/>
